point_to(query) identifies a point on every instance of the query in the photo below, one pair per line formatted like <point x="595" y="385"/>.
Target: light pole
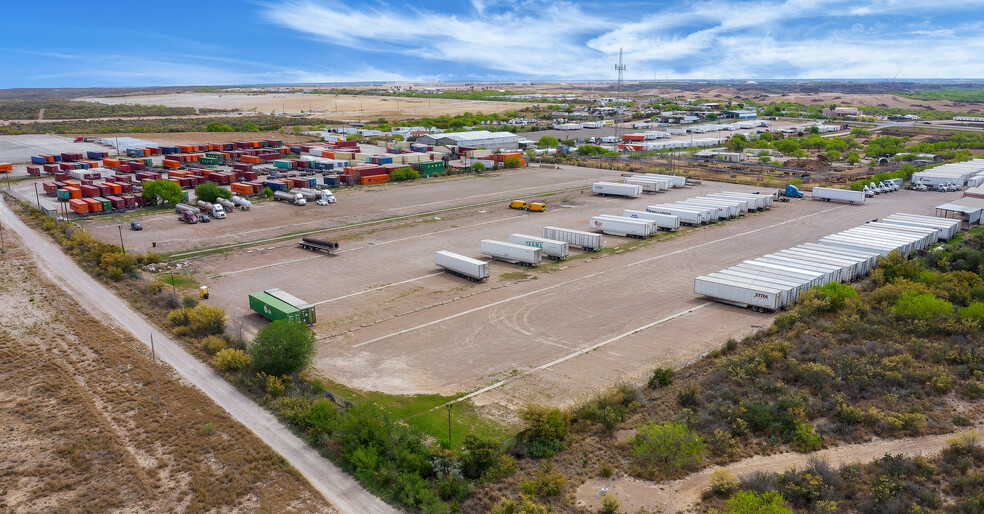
<point x="449" y="423"/>
<point x="36" y="195"/>
<point x="121" y="239"/>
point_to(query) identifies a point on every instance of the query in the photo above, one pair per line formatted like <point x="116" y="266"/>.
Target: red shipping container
<point x="65" y="166"/>
<point x="50" y="188"/>
<point x="89" y="190"/>
<point x="33" y="170"/>
<point x="104" y="189"/>
<point x="118" y="203"/>
<point x="129" y="201"/>
<point x="127" y="187"/>
<point x="51" y="168"/>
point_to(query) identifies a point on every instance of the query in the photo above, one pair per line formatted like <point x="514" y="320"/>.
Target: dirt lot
<point x="332" y="107"/>
<point x="389" y="320"/>
<point x="82" y="429"/>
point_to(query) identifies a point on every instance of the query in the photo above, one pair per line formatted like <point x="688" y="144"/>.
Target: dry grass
<point x="82" y="430"/>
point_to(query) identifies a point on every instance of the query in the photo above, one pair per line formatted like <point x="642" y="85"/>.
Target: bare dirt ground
<point x="82" y="429"/>
<point x="683" y="495"/>
<point x="199" y="138"/>
<point x="329" y="107"/>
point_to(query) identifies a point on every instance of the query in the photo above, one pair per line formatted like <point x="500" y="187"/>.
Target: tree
<point x="548" y="142"/>
<point x="671" y="444"/>
<point x="853" y="157"/>
<point x="736" y="143"/>
<point x="162" y="191"/>
<point x="250" y="127"/>
<point x="407" y="173"/>
<point x="283" y="347"/>
<point x="512" y="162"/>
<point x="787" y="146"/>
<point x="209" y="192"/>
<point x="766" y="136"/>
<point x="216" y="126"/>
<point x="478" y="166"/>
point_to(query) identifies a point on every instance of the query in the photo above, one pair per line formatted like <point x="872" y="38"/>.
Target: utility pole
<point x="172" y="284"/>
<point x="449" y="422"/>
<point x="121" y="239"/>
<point x="153" y="356"/>
<point x="38" y="197"/>
<point x="3" y="249"/>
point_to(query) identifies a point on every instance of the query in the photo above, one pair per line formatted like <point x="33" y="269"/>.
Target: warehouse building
<point x="479" y="138"/>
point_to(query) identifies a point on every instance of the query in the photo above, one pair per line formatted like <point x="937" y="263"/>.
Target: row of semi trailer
<point x="670" y="216"/>
<point x="774" y="281"/>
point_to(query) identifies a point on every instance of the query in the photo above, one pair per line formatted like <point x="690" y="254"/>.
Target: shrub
<point x="751" y="502"/>
<point x="321" y="416"/>
<point x="283" y="347"/>
<point x="179" y="318"/>
<point x="232" y="359"/>
<point x="926" y="307"/>
<point x="805" y="439"/>
<point x="672" y="444"/>
<point x="407" y="173"/>
<point x="274" y="386"/>
<point x="180" y="331"/>
<point x="723" y="483"/>
<point x="213" y="344"/>
<point x="205" y="320"/>
<point x="512" y="162"/>
<point x="611" y="416"/>
<point x="189" y="302"/>
<point x="168" y="300"/>
<point x="610" y="504"/>
<point x="607" y="470"/>
<point x="662" y="377"/>
<point x="835" y="295"/>
<point x="544" y="429"/>
<point x="209" y="192"/>
<point x="689" y="396"/>
<point x="547" y="482"/>
<point x="973" y="311"/>
<point x="479" y="456"/>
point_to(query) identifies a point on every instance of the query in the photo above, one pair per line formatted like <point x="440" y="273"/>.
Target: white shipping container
<point x="663" y="221"/>
<point x="948" y="227"/>
<point x="472" y="269"/>
<point x="586" y="240"/>
<point x="624" y="227"/>
<point x="651" y="227"/>
<point x="649" y="186"/>
<point x="758" y="297"/>
<point x="510" y="252"/>
<point x="616" y="189"/>
<point x="712" y="212"/>
<point x="550" y="247"/>
<point x="845" y="195"/>
<point x="687" y="216"/>
<point x="675" y="180"/>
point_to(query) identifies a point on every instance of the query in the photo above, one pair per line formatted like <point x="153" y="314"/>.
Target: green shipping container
<point x="148" y="162"/>
<point x="427" y="168"/>
<point x="284" y="164"/>
<point x="294" y="302"/>
<point x="64" y="195"/>
<point x="273" y="309"/>
<point x="213" y="155"/>
<point x="106" y="204"/>
<point x="208" y="161"/>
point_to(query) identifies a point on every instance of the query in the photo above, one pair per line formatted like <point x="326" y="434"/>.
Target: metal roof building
<point x="479" y="138"/>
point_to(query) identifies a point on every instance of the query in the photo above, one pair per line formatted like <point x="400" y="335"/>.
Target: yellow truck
<point x="528" y="206"/>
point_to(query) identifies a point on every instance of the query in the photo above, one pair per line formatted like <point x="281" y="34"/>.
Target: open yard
<point x="390" y="321"/>
<point x="83" y="431"/>
<point x="329" y="107"/>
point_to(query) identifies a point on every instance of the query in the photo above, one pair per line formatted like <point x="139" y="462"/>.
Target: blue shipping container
<point x="331" y="181"/>
<point x="85" y="165"/>
<point x="275" y="186"/>
<point x="37" y="159"/>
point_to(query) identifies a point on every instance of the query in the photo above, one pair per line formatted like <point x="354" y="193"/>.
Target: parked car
<point x="204" y="218"/>
<point x="135" y="225"/>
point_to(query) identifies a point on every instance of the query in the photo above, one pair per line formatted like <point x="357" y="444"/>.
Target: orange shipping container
<point x="73" y="192"/>
<point x="171" y="164"/>
<point x="250" y="159"/>
<point x="187" y="148"/>
<point x="177" y="173"/>
<point x="4" y="166"/>
<point x="114" y="187"/>
<point x="94" y="205"/>
<point x="111" y="163"/>
<point x="375" y="179"/>
<point x="80" y="206"/>
<point x="241" y="189"/>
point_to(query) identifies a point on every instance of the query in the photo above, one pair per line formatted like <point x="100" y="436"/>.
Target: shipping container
<point x="79" y="206"/>
<point x="307" y="310"/>
<point x="616" y="189"/>
<point x="586" y="240"/>
<point x="742" y="294"/>
<point x="275" y="309"/>
<point x="649" y="186"/>
<point x="551" y="248"/>
<point x="622" y="226"/>
<point x="663" y="221"/>
<point x="472" y="269"/>
<point x="845" y="195"/>
<point x="686" y="216"/>
<point x="513" y="253"/>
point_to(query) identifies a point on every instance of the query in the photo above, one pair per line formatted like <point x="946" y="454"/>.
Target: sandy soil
<point x="335" y="107"/>
<point x="683" y="495"/>
<point x="20" y="148"/>
<point x="82" y="429"/>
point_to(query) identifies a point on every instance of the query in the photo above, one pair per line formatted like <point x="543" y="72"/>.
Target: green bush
<point x="610" y="504"/>
<point x="673" y="445"/>
<point x="662" y="377"/>
<point x="751" y="502"/>
<point x="401" y="174"/>
<point x="209" y="192"/>
<point x="283" y="347"/>
<point x="512" y="162"/>
<point x="835" y="295"/>
<point x="322" y="416"/>
<point x="179" y="317"/>
<point x="205" y="320"/>
<point x="544" y="429"/>
<point x="213" y="344"/>
<point x="805" y="439"/>
<point x="231" y="359"/>
<point x="925" y="307"/>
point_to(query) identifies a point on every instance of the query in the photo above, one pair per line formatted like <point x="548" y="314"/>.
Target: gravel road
<point x="337" y="487"/>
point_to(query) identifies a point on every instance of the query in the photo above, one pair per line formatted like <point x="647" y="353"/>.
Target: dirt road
<point x="337" y="487"/>
<point x="684" y="494"/>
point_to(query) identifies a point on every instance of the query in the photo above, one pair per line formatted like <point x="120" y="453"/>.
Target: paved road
<point x="337" y="487"/>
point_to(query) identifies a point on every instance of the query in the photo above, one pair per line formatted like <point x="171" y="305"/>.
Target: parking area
<point x="20" y="148"/>
<point x="390" y="320"/>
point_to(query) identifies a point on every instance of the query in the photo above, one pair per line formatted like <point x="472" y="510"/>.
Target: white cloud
<point x="705" y="38"/>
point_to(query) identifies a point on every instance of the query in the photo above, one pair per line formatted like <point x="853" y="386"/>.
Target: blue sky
<point x="182" y="42"/>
